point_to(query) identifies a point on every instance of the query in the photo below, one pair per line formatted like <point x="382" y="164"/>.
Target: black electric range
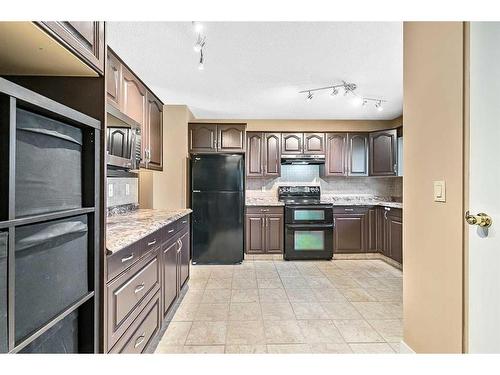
<point x="308" y="223"/>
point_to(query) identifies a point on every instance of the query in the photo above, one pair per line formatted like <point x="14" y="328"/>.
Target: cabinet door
<point x="372" y="230"/>
<point x="291" y="143"/>
<point x="169" y="274"/>
<point x="86" y="38"/>
<point x="113" y="81"/>
<point x="155" y="133"/>
<point x="255" y="155"/>
<point x="274" y="234"/>
<point x="349" y="233"/>
<point x="202" y="138"/>
<point x="184" y="258"/>
<point x="357" y="155"/>
<point x="336" y="154"/>
<point x="255" y="234"/>
<point x="383" y="152"/>
<point x="380" y="229"/>
<point x="272" y="154"/>
<point x="395" y="234"/>
<point x="134" y="97"/>
<point x="231" y="138"/>
<point x="314" y="143"/>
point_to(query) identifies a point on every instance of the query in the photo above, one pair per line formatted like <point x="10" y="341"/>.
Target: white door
<point x="484" y="195"/>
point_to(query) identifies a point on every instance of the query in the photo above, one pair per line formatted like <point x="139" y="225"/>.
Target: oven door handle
<point x="310" y="226"/>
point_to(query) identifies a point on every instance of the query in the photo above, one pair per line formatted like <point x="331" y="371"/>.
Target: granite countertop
<point x="127" y="228"/>
<point x="268" y="199"/>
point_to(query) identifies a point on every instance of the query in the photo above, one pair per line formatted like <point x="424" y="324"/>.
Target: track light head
<point x="309" y="96"/>
<point x="357" y="101"/>
<point x="201" y="65"/>
<point x="198" y="27"/>
<point x="379" y="106"/>
<point x="335" y="91"/>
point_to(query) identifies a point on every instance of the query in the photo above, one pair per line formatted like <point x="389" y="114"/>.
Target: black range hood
<point x="302" y="159"/>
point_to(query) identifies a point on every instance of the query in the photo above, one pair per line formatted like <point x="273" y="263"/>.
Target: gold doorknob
<point x="481" y="219"/>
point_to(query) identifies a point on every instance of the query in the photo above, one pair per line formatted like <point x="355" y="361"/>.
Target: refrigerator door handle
<point x="196" y="191"/>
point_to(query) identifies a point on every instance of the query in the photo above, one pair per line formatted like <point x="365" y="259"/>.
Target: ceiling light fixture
<point x="349" y="89"/>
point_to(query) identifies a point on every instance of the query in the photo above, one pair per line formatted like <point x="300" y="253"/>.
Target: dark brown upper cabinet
<point x="154" y="129"/>
<point x="314" y="143"/>
<point x="114" y="81"/>
<point x="231" y="138"/>
<point x="127" y="93"/>
<point x="84" y="38"/>
<point x="202" y="137"/>
<point x="255" y="154"/>
<point x="383" y="153"/>
<point x="292" y="143"/>
<point x="336" y="155"/>
<point x="357" y="159"/>
<point x="208" y="138"/>
<point x="263" y="154"/>
<point x="272" y="154"/>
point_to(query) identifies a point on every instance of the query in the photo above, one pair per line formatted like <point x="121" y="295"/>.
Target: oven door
<point x="308" y="241"/>
<point x="309" y="214"/>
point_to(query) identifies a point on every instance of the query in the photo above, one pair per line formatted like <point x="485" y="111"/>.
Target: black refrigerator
<point x="218" y="203"/>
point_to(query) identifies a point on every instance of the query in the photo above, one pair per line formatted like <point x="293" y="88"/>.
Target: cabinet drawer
<point x="136" y="339"/>
<point x="264" y="210"/>
<point x="123" y="259"/>
<point x="152" y="241"/>
<point x="127" y="292"/>
<point x="350" y="209"/>
<point x="183" y="224"/>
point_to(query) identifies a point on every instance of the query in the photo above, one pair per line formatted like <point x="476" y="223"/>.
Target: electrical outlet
<point x="127" y="189"/>
<point x="110" y="190"/>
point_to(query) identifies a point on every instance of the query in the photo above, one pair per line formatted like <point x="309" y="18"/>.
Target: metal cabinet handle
<point x="264" y="210"/>
<point x="170" y="231"/>
<point x="348" y="209"/>
<point x="128" y="258"/>
<point x="184" y="221"/>
<point x="140" y="340"/>
<point x="385" y="215"/>
<point x="152" y="242"/>
<point x="139" y="288"/>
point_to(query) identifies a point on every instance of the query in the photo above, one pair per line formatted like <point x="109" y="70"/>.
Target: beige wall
<point x="432" y="234"/>
<point x="313" y="125"/>
<point x="167" y="189"/>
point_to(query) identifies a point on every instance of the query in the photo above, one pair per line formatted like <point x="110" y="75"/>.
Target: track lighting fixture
<point x="349" y="89"/>
<point x="201" y="65"/>
<point x="200" y="43"/>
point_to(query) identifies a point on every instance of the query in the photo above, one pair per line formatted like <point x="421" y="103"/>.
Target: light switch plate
<point x="439" y="191"/>
<point x="110" y="190"/>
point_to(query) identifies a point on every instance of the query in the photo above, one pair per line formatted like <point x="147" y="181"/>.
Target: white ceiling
<point x="254" y="70"/>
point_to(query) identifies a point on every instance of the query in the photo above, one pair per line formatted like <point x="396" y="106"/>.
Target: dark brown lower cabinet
<point x="350" y="229"/>
<point x="264" y="230"/>
<point x="139" y="294"/>
<point x="359" y="229"/>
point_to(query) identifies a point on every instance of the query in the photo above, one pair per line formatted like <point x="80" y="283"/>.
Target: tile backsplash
<point x="309" y="175"/>
<point x="122" y="191"/>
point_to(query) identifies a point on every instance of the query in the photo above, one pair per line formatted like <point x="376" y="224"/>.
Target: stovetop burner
<point x="295" y="195"/>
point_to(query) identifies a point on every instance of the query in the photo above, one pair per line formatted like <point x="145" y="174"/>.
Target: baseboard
<point x="365" y="256"/>
<point x="404" y="348"/>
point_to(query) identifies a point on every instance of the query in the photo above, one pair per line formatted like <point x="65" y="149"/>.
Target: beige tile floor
<point x="273" y="306"/>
